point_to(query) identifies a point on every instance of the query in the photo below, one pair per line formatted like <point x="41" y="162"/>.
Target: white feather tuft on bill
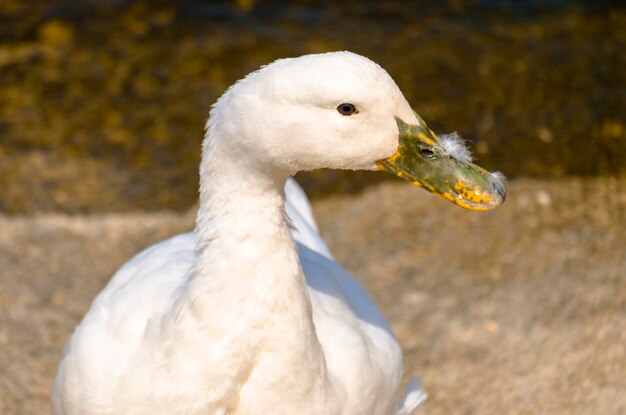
<point x="454" y="146"/>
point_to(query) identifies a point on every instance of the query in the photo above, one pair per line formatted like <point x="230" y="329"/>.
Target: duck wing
<point x="343" y="309"/>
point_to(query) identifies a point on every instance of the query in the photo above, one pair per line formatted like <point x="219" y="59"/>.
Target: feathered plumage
<point x="250" y="314"/>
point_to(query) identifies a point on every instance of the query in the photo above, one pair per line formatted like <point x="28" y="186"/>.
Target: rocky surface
<point x="518" y="311"/>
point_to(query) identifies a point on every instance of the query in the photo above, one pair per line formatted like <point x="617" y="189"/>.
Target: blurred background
<point x="517" y="311"/>
<point x="103" y="102"/>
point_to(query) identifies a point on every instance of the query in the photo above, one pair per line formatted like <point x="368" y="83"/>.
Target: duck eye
<point x="427" y="153"/>
<point x="346" y="109"/>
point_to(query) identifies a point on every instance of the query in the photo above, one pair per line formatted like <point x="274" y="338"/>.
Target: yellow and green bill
<point x="443" y="168"/>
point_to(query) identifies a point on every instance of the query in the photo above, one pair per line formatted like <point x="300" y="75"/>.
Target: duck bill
<point x="444" y="168"/>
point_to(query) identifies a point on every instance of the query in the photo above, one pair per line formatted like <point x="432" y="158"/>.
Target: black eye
<point x="427" y="152"/>
<point x="346" y="109"/>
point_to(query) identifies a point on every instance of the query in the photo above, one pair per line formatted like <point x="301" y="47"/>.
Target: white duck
<point x="237" y="318"/>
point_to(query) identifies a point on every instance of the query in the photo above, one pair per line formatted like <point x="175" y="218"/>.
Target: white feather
<point x="454" y="146"/>
<point x="498" y="177"/>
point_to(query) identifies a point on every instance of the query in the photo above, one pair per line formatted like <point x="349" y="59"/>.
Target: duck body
<point x="125" y="347"/>
<point x="250" y="314"/>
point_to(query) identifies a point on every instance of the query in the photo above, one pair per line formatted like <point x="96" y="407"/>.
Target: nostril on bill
<point x="500" y="190"/>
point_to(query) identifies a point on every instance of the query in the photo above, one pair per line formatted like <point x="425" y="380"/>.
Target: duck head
<point x="341" y="110"/>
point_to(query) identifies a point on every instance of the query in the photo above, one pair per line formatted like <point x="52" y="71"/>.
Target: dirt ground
<point x="518" y="311"/>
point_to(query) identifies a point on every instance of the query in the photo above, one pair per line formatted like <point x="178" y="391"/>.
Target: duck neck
<point x="247" y="268"/>
<point x="246" y="295"/>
